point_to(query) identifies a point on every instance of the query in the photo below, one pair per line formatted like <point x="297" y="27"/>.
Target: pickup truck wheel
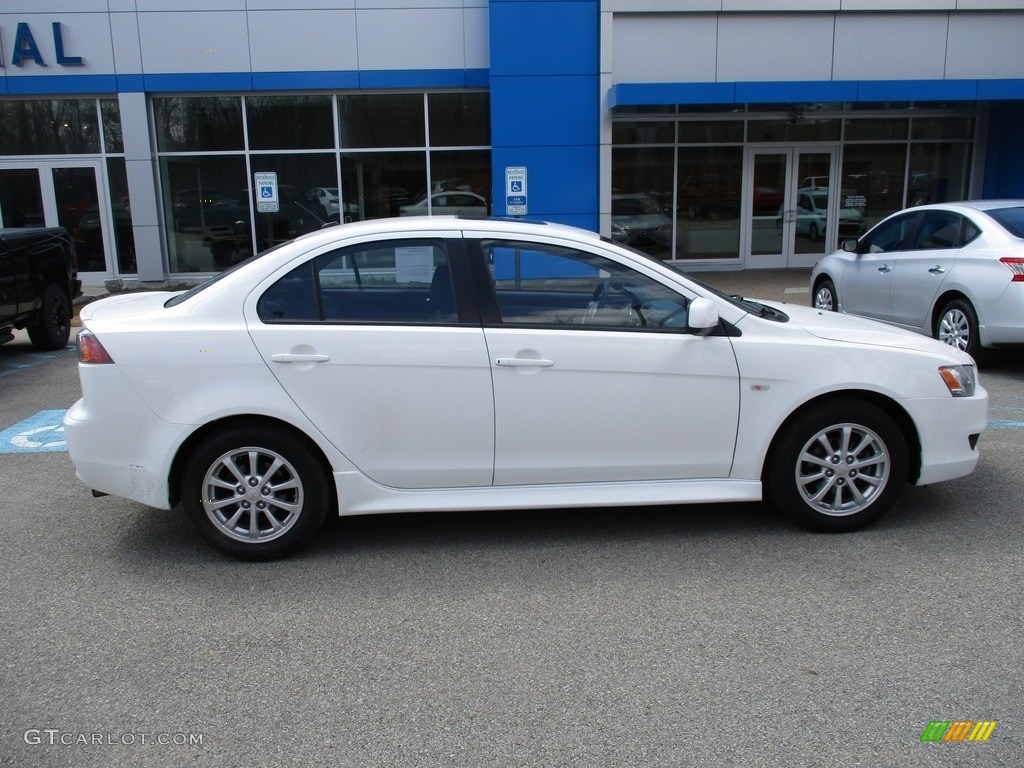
<point x="52" y="327"/>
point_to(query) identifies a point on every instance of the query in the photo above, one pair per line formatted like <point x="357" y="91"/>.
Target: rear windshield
<point x="1012" y="219"/>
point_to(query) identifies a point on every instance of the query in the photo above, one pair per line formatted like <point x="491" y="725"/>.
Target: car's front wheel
<point x="957" y="326"/>
<point x="838" y="466"/>
<point x="825" y="296"/>
<point x="254" y="493"/>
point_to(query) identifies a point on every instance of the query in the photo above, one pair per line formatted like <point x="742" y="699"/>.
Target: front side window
<point x="401" y="281"/>
<point x="892" y="235"/>
<point x="552" y="286"/>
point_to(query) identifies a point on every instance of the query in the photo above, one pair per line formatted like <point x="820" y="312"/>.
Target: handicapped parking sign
<point x="515" y="191"/>
<point x="267" y="200"/>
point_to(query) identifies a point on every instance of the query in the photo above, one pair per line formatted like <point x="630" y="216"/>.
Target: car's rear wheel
<point x="254" y="493"/>
<point x="825" y="296"/>
<point x="958" y="326"/>
<point x="838" y="466"/>
<point x="52" y="327"/>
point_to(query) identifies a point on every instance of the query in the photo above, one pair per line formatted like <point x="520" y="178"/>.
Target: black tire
<point x="850" y="485"/>
<point x="957" y="325"/>
<point x="812" y="232"/>
<point x="253" y="520"/>
<point x="825" y="296"/>
<point x="52" y="327"/>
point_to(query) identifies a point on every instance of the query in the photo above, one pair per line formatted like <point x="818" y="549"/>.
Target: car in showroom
<point x="442" y="363"/>
<point x="638" y="219"/>
<point x="450" y="203"/>
<point x="954" y="271"/>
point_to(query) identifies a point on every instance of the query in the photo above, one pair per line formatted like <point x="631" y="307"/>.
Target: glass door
<point x="790" y="211"/>
<point x="60" y="194"/>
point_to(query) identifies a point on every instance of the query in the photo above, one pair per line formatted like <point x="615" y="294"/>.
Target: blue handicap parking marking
<point x="42" y="432"/>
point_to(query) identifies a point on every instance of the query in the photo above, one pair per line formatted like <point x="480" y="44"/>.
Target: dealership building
<point x="174" y="138"/>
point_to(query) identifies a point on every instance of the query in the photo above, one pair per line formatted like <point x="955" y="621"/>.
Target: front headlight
<point x="959" y="379"/>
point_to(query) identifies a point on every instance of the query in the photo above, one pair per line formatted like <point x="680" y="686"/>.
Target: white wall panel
<point x="289" y="5"/>
<point x="477" y="39"/>
<point x="190" y="5"/>
<point x="410" y="39"/>
<point x="890" y="47"/>
<point x="651" y="49"/>
<point x="790" y="47"/>
<point x="899" y="5"/>
<point x="86" y="35"/>
<point x="780" y="5"/>
<point x="190" y="42"/>
<point x="124" y="30"/>
<point x="985" y="45"/>
<point x="326" y="40"/>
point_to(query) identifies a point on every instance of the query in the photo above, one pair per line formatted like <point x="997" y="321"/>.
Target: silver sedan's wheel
<point x="252" y="494"/>
<point x="958" y="326"/>
<point x="837" y="466"/>
<point x="842" y="469"/>
<point x="825" y="296"/>
<point x="255" y="493"/>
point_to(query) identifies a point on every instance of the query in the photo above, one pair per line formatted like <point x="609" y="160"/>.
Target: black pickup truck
<point x="38" y="282"/>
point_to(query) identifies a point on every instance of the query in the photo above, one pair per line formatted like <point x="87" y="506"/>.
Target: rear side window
<point x="938" y="229"/>
<point x="402" y="281"/>
<point x="1012" y="219"/>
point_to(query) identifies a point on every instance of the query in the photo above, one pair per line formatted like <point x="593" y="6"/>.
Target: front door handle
<point x="291" y="357"/>
<point x="885" y="269"/>
<point x="937" y="270"/>
<point x="524" y="362"/>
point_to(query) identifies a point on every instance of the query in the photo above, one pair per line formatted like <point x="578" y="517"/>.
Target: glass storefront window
<point x="192" y="124"/>
<point x="947" y="129"/>
<point x="302" y="181"/>
<point x="468" y="172"/>
<point x="638" y="132"/>
<point x="376" y="185"/>
<point x="459" y="119"/>
<point x="873" y="175"/>
<point x="49" y="127"/>
<point x="711" y="132"/>
<point x="290" y="122"/>
<point x="206" y="207"/>
<point x="381" y="120"/>
<point x="938" y="172"/>
<point x="642" y="199"/>
<point x="878" y="129"/>
<point x="110" y="111"/>
<point x="708" y="205"/>
<point x="795" y="130"/>
<point x="121" y="208"/>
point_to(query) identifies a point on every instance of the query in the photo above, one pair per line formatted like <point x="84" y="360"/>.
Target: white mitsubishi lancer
<point x="422" y="364"/>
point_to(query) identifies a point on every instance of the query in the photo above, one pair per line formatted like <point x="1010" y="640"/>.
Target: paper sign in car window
<point x="414" y="264"/>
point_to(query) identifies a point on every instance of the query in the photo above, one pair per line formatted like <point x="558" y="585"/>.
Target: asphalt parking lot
<point x="715" y="635"/>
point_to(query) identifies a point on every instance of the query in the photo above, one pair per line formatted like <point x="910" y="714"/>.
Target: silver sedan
<point x="954" y="271"/>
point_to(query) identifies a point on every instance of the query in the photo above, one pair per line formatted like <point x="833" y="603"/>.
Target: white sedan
<point x="446" y="364"/>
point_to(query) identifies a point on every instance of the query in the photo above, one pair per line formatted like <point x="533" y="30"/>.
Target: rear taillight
<point x="1016" y="265"/>
<point x="90" y="350"/>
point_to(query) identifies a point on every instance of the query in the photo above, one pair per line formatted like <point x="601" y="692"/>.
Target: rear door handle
<point x="524" y="362"/>
<point x="291" y="357"/>
<point x="937" y="270"/>
<point x="884" y="269"/>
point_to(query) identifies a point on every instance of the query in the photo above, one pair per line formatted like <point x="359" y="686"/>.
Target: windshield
<point x="1012" y="219"/>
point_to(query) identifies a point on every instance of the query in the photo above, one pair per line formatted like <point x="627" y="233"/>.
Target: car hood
<point x="125" y="305"/>
<point x="851" y="329"/>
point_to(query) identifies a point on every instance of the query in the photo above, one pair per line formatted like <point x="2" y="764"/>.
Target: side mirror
<point x="702" y="317"/>
<point x="850" y="246"/>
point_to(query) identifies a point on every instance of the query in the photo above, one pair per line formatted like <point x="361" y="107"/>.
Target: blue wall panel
<point x="545" y="105"/>
<point x="1004" y="165"/>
